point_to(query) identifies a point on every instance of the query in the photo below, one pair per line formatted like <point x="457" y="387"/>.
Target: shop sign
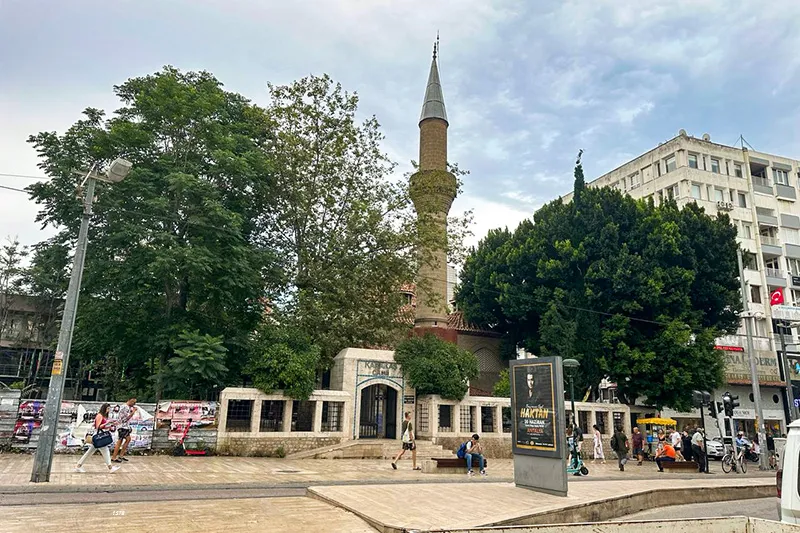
<point x="737" y="365"/>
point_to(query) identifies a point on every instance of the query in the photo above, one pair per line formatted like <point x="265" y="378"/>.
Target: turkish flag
<point x="776" y="298"/>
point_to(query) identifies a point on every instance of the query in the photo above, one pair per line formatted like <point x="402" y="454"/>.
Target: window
<point x="671" y="165"/>
<point x="239" y="413"/>
<point x="747" y="231"/>
<point x="672" y="192"/>
<point x="696" y="192"/>
<point x="742" y="199"/>
<point x="796" y="297"/>
<point x="727" y="168"/>
<point x="755" y="294"/>
<point x="780" y="176"/>
<point x="446" y="418"/>
<point x="466" y="418"/>
<point x="772" y="263"/>
<point x="303" y="415"/>
<point x="487" y="419"/>
<point x="271" y="415"/>
<point x="715" y="165"/>
<point x="658" y="168"/>
<point x="332" y="415"/>
<point x="794" y="266"/>
<point x="719" y="195"/>
<point x="601" y="417"/>
<point x="692" y="160"/>
<point x="507" y="422"/>
<point x="634" y="179"/>
<point x="737" y="170"/>
<point x="792" y="236"/>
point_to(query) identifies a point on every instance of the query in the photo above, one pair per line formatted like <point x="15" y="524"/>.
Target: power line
<point x="27" y="176"/>
<point x="12" y="188"/>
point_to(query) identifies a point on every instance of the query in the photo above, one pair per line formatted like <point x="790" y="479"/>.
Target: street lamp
<point x="572" y="365"/>
<point x="43" y="461"/>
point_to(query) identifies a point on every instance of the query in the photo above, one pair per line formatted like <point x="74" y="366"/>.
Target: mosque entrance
<point x="378" y="419"/>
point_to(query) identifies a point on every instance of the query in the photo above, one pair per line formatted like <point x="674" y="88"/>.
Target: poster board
<point x="539" y="425"/>
<point x="175" y="416"/>
<point x="81" y="428"/>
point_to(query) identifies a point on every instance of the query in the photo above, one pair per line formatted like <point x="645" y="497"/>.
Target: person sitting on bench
<point x="474" y="450"/>
<point x="665" y="454"/>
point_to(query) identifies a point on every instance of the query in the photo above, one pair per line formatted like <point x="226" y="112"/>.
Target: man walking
<point x="126" y="412"/>
<point x="409" y="443"/>
<point x="619" y="443"/>
<point x="699" y="451"/>
<point x="638" y="445"/>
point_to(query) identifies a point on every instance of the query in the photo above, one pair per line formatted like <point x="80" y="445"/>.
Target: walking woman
<point x="101" y="440"/>
<point x="598" y="445"/>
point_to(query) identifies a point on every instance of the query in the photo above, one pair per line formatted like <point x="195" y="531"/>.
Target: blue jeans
<point x="469" y="457"/>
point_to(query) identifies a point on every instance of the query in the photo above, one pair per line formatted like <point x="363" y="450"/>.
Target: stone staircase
<point x="373" y="449"/>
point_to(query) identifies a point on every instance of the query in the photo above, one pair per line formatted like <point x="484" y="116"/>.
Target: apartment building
<point x="759" y="192"/>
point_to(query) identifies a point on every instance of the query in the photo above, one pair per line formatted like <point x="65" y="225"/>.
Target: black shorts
<point x="409" y="446"/>
<point x="123" y="433"/>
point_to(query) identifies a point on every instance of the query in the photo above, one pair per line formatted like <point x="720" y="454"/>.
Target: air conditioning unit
<point x="725" y="206"/>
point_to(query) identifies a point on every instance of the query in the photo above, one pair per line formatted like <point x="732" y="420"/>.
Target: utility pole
<point x="43" y="461"/>
<point x="762" y="433"/>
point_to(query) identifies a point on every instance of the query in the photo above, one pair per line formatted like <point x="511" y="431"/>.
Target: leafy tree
<point x="635" y="292"/>
<point x="502" y="388"/>
<point x="11" y="270"/>
<point x="172" y="248"/>
<point x="198" y="365"/>
<point x="284" y="358"/>
<point x="434" y="366"/>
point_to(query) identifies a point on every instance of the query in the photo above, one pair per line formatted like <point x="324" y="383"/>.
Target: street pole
<point x="785" y="364"/>
<point x="43" y="461"/>
<point x="762" y="433"/>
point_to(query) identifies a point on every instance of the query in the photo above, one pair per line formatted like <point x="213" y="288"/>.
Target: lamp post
<point x="572" y="365"/>
<point x="43" y="461"/>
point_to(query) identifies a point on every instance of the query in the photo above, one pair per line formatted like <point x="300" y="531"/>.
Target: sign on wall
<point x="177" y="415"/>
<point x="536" y="431"/>
<point x="737" y="365"/>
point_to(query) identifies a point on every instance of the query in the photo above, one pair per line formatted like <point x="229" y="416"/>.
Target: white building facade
<point x="759" y="192"/>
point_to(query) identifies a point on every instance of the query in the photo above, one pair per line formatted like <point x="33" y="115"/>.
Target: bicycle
<point x="736" y="464"/>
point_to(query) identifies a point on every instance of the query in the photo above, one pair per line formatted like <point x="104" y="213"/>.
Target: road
<point x="759" y="508"/>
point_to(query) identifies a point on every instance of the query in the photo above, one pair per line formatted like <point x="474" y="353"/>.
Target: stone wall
<point x="493" y="447"/>
<point x="269" y="447"/>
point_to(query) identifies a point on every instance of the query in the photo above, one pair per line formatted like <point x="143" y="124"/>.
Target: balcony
<point x="775" y="277"/>
<point x="770" y="246"/>
<point x="771" y="241"/>
<point x="762" y="185"/>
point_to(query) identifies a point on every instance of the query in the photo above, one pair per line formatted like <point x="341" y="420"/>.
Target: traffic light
<point x="734" y="402"/>
<point x="715" y="408"/>
<point x="726" y="404"/>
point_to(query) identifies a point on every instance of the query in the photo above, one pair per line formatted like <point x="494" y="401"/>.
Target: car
<point x="715" y="449"/>
<point x="786" y="479"/>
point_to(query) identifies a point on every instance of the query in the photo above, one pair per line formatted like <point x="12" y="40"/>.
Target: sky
<point x="526" y="84"/>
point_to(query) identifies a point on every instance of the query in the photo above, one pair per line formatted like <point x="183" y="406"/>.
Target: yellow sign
<point x="57" y="367"/>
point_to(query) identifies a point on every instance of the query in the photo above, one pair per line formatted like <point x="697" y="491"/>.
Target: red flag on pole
<point x="776" y="298"/>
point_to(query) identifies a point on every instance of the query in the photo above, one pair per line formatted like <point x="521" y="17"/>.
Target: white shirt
<point x="676" y="439"/>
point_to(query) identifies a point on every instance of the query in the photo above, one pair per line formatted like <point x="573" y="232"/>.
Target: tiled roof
<point x="456" y="321"/>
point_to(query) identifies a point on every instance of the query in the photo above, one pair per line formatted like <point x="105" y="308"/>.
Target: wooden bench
<point x="680" y="466"/>
<point x="450" y="465"/>
<point x="455" y="462"/>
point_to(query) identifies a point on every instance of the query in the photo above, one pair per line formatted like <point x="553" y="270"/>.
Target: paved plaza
<point x="169" y="494"/>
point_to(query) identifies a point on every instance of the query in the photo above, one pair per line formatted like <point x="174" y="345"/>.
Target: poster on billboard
<point x="80" y="429"/>
<point x="534" y="392"/>
<point x="175" y="416"/>
<point x="29" y="417"/>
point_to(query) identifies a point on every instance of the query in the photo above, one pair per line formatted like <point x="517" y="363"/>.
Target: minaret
<point x="433" y="190"/>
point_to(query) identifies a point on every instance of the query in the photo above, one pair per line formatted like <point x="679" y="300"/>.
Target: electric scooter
<point x="180" y="448"/>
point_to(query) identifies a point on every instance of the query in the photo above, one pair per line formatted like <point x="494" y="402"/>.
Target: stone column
<point x="455" y="418"/>
<point x="317" y="422"/>
<point x="476" y="419"/>
<point x="255" y="416"/>
<point x="498" y="416"/>
<point x="287" y="415"/>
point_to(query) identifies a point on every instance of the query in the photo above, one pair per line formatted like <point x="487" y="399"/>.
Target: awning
<point x="657" y="421"/>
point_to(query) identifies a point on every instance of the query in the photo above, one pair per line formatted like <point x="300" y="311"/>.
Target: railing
<point x="764" y="182"/>
<point x="774" y="272"/>
<point x="772" y="241"/>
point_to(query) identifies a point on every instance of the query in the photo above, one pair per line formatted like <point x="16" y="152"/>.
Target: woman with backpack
<point x="101" y="440"/>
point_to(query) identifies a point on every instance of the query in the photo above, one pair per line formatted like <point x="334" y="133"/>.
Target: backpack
<point x="462" y="450"/>
<point x="614" y="442"/>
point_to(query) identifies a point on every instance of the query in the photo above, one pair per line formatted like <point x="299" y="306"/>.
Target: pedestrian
<point x="698" y="450"/>
<point x="686" y="445"/>
<point x="638" y="445"/>
<point x="619" y="443"/>
<point x="598" y="445"/>
<point x="474" y="450"/>
<point x="675" y="441"/>
<point x="665" y="455"/>
<point x="124" y="431"/>
<point x="101" y="440"/>
<point x="409" y="443"/>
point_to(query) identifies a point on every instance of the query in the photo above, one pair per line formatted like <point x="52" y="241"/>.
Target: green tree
<point x="284" y="358"/>
<point x="502" y="389"/>
<point x="172" y="248"/>
<point x="197" y="367"/>
<point x="434" y="366"/>
<point x="635" y="292"/>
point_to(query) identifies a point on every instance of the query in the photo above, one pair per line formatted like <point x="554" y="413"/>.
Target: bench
<point x="450" y="465"/>
<point x="680" y="466"/>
